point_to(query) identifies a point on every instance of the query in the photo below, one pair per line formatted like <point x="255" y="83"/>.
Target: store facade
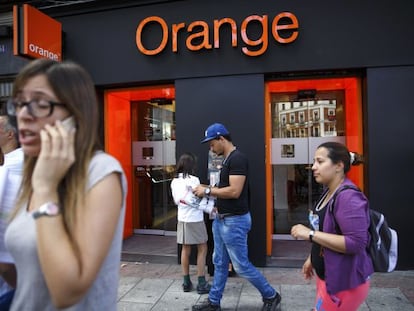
<point x="282" y="76"/>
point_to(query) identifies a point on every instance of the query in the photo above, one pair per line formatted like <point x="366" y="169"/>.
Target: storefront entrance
<point x="140" y="131"/>
<point x="304" y="114"/>
<point x="300" y="114"/>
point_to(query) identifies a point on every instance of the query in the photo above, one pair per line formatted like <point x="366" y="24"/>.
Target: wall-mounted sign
<point x="36" y="35"/>
<point x="197" y="35"/>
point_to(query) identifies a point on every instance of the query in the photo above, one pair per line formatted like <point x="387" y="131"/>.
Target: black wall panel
<point x="9" y="64"/>
<point x="390" y="155"/>
<point x="238" y="103"/>
<point x="332" y="35"/>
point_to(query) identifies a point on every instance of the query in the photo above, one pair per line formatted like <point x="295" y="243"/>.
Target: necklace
<point x="325" y="199"/>
<point x="321" y="203"/>
<point x="225" y="159"/>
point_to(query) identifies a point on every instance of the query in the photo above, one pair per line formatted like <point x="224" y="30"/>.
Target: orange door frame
<point x="118" y="138"/>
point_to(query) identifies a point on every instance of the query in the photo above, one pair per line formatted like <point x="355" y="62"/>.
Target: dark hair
<point x="186" y="164"/>
<point x="338" y="152"/>
<point x="226" y="137"/>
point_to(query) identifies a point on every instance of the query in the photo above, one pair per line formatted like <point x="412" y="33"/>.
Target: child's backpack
<point x="383" y="245"/>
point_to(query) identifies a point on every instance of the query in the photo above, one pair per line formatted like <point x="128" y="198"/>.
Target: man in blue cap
<point x="232" y="222"/>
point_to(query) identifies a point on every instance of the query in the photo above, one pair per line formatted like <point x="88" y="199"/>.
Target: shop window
<point x="5" y="93"/>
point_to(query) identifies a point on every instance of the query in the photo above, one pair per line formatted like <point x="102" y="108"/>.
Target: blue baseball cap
<point x="214" y="131"/>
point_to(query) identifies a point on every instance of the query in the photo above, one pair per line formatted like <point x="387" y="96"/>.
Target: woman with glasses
<point x="65" y="233"/>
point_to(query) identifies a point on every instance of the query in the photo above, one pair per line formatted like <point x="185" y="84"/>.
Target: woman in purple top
<point x="339" y="254"/>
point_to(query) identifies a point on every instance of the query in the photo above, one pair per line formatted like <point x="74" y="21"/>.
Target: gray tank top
<point x="32" y="292"/>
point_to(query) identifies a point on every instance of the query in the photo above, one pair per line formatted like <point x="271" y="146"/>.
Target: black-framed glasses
<point x="39" y="108"/>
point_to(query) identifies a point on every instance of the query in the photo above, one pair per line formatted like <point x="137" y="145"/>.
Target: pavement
<point x="146" y="285"/>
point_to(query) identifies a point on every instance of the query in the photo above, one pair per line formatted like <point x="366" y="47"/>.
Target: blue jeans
<point x="230" y="242"/>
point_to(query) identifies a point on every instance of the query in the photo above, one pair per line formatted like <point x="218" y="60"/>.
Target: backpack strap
<point x="332" y="205"/>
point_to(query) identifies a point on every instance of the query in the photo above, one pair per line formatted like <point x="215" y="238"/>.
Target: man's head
<point x="8" y="134"/>
<point x="218" y="137"/>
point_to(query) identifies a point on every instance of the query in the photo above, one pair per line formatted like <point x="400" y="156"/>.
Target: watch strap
<point x="49" y="209"/>
<point x="311" y="234"/>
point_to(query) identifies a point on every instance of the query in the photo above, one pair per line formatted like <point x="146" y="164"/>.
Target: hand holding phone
<point x="68" y="123"/>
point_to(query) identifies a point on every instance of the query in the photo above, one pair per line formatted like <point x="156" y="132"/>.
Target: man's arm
<point x="232" y="191"/>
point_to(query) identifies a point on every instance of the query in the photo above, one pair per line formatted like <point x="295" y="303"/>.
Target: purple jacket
<point x="348" y="270"/>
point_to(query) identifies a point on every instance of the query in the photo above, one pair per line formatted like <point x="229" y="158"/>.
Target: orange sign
<point x="35" y="34"/>
<point x="284" y="29"/>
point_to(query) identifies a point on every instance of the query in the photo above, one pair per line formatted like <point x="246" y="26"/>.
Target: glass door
<point x="153" y="157"/>
<point x="300" y="115"/>
<point x="140" y="133"/>
<point x="300" y="122"/>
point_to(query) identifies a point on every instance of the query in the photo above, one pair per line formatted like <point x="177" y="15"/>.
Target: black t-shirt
<point x="317" y="250"/>
<point x="235" y="164"/>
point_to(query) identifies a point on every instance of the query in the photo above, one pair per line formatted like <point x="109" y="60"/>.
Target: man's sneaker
<point x="206" y="305"/>
<point x="188" y="287"/>
<point x="203" y="289"/>
<point x="270" y="304"/>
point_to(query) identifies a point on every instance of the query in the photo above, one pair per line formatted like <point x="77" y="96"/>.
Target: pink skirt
<point x="346" y="300"/>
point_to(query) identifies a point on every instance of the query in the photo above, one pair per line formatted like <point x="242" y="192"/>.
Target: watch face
<point x="52" y="209"/>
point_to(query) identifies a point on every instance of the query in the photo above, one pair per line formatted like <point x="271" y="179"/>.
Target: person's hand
<point x="307" y="269"/>
<point x="199" y="191"/>
<point x="300" y="232"/>
<point x="56" y="156"/>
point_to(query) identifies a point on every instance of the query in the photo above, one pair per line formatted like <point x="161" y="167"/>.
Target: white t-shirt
<point x="10" y="179"/>
<point x="181" y="189"/>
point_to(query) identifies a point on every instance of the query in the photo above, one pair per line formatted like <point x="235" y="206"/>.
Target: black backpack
<point x="383" y="244"/>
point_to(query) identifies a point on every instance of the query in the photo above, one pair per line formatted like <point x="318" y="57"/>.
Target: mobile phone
<point x="68" y="123"/>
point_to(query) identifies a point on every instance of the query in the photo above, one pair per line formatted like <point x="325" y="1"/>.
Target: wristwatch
<point x="311" y="234"/>
<point x="49" y="209"/>
<point x="207" y="191"/>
